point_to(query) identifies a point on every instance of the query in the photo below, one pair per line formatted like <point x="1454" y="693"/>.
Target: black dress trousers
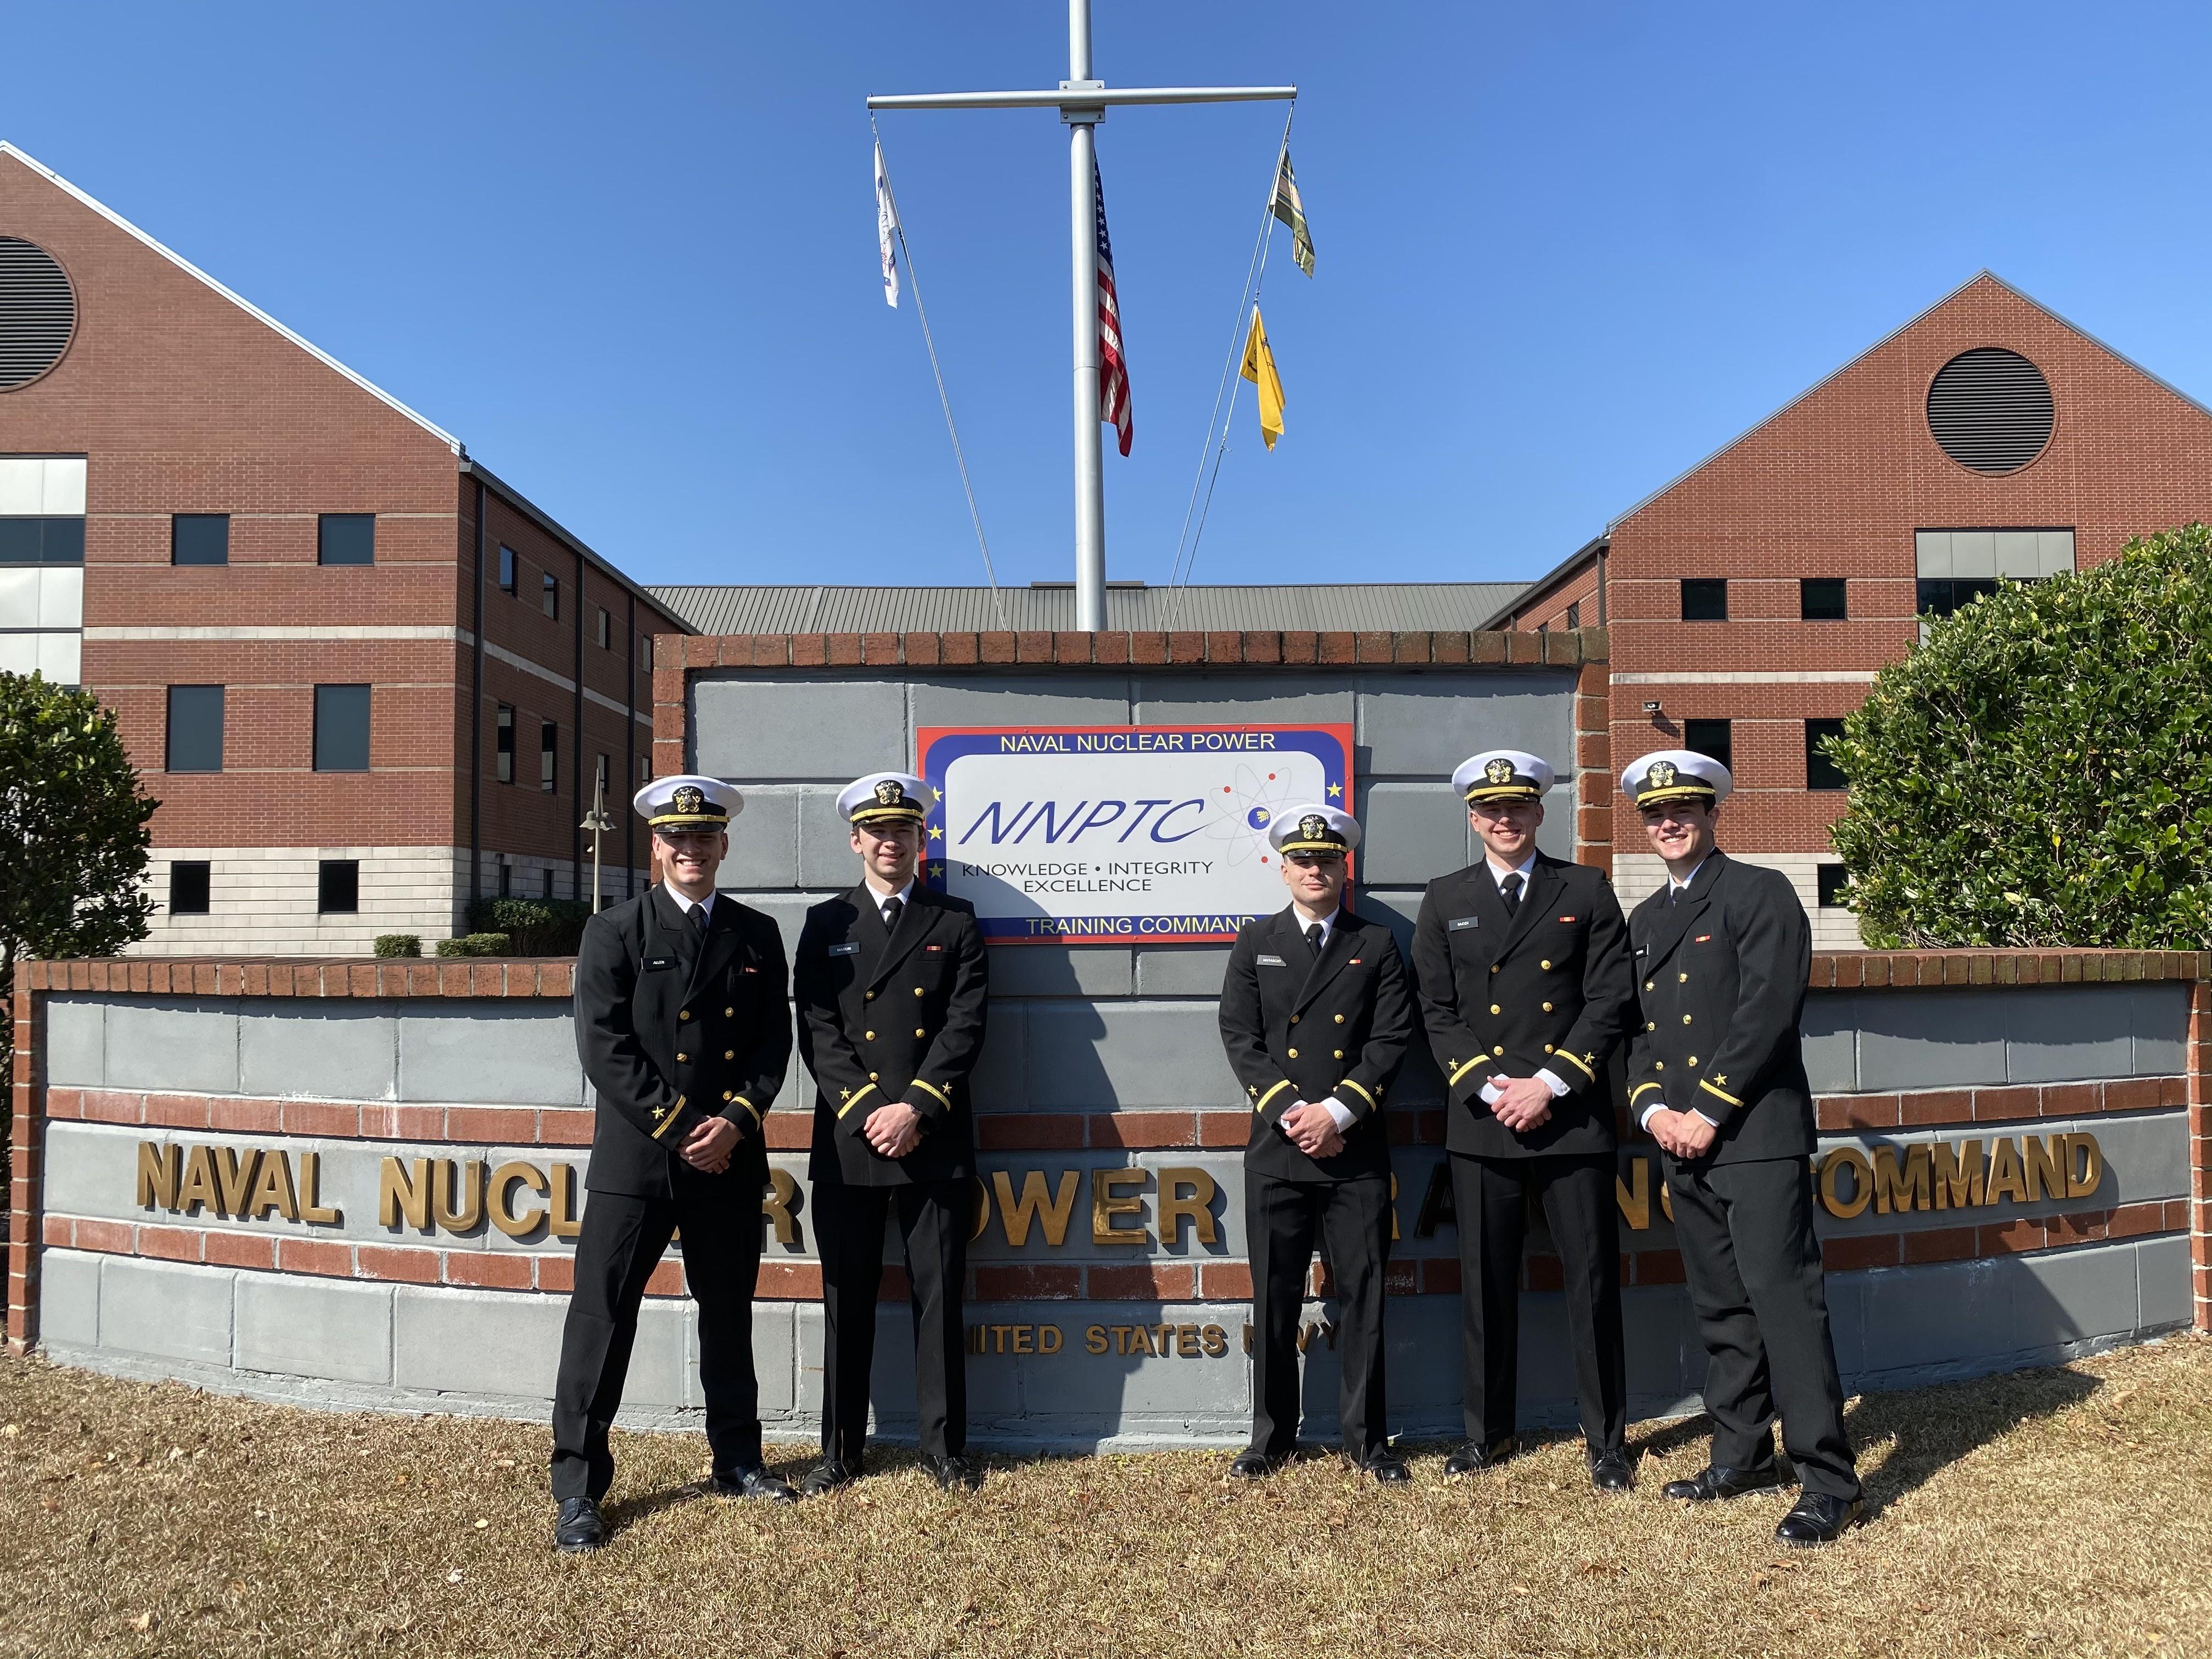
<point x="1575" y="1192"/>
<point x="1351" y="1221"/>
<point x="621" y="1243"/>
<point x="934" y="1218"/>
<point x="1754" y="1268"/>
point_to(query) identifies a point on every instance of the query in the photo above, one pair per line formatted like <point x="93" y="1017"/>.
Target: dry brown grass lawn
<point x="2060" y="1512"/>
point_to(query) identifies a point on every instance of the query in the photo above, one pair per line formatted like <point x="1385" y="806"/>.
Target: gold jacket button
<point x="1547" y="1007"/>
<point x="729" y="1013"/>
<point x="917" y="990"/>
<point x="729" y="1053"/>
<point x="1658" y="1065"/>
<point x="1495" y="1009"/>
<point x="1547" y="1047"/>
<point x="1650" y="1024"/>
<point x="1686" y="1019"/>
<point x="1694" y="1059"/>
<point x="1294" y="1053"/>
<point x="1546" y="964"/>
<point x="729" y="1094"/>
<point x="1679" y="979"/>
<point x="1339" y="1054"/>
<point x="1493" y="967"/>
<point x="918" y="1031"/>
<point x="680" y="1058"/>
<point x="875" y="1077"/>
<point x="1339" y="1019"/>
<point x="869" y="1036"/>
<point x="1499" y="1049"/>
<point x="684" y="1013"/>
<point x="872" y="995"/>
<point x="1648" y="985"/>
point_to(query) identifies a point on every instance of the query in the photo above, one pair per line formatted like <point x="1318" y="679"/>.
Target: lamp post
<point x="598" y="824"/>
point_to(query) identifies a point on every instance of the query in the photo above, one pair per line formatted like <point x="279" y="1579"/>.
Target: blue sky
<point x="628" y="254"/>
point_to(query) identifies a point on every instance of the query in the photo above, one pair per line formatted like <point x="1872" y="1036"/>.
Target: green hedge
<point x="538" y="928"/>
<point x="399" y="944"/>
<point x="2038" y="772"/>
<point x="477" y="945"/>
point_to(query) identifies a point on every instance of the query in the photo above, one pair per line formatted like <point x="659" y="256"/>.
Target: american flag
<point x="1113" y="371"/>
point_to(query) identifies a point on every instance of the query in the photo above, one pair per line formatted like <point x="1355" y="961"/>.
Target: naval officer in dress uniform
<point x="683" y="1026"/>
<point x="1523" y="965"/>
<point x="1716" y="1075"/>
<point x="1315" y="1015"/>
<point x="890" y="980"/>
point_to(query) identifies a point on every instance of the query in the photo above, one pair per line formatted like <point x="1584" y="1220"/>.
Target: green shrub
<point x="399" y="944"/>
<point x="539" y="927"/>
<point x="477" y="944"/>
<point x="2039" y="771"/>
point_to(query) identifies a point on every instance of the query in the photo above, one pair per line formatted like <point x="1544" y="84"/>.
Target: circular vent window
<point x="38" y="312"/>
<point x="1991" y="410"/>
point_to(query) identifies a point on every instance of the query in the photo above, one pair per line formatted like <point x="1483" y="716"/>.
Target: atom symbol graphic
<point x="1254" y="799"/>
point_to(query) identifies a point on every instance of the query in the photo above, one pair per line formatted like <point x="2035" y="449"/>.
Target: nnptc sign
<point x="1114" y="835"/>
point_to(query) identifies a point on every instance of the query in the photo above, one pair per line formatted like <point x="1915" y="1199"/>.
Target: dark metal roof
<point x="1398" y="606"/>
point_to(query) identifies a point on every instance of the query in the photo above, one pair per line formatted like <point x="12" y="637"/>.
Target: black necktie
<point x="891" y="908"/>
<point x="699" y="920"/>
<point x="1509" y="888"/>
<point x="1674" y="895"/>
<point x="1314" y="937"/>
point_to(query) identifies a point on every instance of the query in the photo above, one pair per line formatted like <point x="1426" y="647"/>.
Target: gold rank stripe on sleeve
<point x="944" y="1099"/>
<point x="1639" y="1089"/>
<point x="668" y="1116"/>
<point x="1706" y="1084"/>
<point x="749" y="1107"/>
<point x="1580" y="1065"/>
<point x="1362" y="1093"/>
<point x="1464" y="1068"/>
<point x="855" y="1098"/>
<point x="1261" y="1104"/>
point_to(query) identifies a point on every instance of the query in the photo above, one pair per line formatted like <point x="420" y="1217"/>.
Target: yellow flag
<point x="1260" y="369"/>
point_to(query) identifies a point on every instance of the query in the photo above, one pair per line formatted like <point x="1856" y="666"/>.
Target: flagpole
<point x="1083" y="248"/>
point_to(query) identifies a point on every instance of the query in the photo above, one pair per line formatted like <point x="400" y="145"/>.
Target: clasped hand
<point x="1312" y="1130"/>
<point x="893" y="1130"/>
<point x="709" y="1147"/>
<point x="1685" y="1135"/>
<point x="1523" y="1102"/>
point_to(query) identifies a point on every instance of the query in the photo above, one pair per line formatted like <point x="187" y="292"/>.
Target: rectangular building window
<point x="1574" y="614"/>
<point x="338" y="887"/>
<point x="599" y="780"/>
<point x="345" y="539"/>
<point x="507" y="572"/>
<point x="644" y="770"/>
<point x="1821" y="772"/>
<point x="506" y="880"/>
<point x="1957" y="567"/>
<point x="1832" y="880"/>
<point x="545" y="876"/>
<point x="199" y="538"/>
<point x="188" y="887"/>
<point x="1705" y="598"/>
<point x="549" y="594"/>
<point x="1820" y="599"/>
<point x="549" y="757"/>
<point x="195" y="740"/>
<point x="341" y="728"/>
<point x="506" y="743"/>
<point x="1709" y="738"/>
<point x="606" y="628"/>
<point x="41" y="541"/>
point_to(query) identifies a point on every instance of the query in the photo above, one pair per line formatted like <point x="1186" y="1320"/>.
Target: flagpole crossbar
<point x="1086" y="97"/>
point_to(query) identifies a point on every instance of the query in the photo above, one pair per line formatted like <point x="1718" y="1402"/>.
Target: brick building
<point x="293" y="590"/>
<point x="1751" y="600"/>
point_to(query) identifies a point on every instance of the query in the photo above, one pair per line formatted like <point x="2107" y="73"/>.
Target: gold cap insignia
<point x="887" y="793"/>
<point x="1499" y="770"/>
<point x="1313" y="826"/>
<point x="1661" y="774"/>
<point x="688" y="799"/>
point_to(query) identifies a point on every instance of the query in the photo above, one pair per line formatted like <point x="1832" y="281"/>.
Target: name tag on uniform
<point x="652" y="962"/>
<point x="1641" y="948"/>
<point x="1271" y="962"/>
<point x="1458" y="923"/>
<point x="850" y="948"/>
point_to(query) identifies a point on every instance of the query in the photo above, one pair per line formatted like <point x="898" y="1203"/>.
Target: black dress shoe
<point x="1472" y="1457"/>
<point x="1386" y="1466"/>
<point x="1610" y="1470"/>
<point x="956" y="1473"/>
<point x="755" y="1482"/>
<point x="1712" y="1484"/>
<point x="826" y="1477"/>
<point x="1253" y="1464"/>
<point x="579" y="1526"/>
<point x="1819" y="1519"/>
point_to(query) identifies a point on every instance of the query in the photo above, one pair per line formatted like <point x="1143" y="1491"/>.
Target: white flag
<point x="886" y="228"/>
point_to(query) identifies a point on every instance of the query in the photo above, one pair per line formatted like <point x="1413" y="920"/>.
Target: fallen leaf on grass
<point x="144" y="1622"/>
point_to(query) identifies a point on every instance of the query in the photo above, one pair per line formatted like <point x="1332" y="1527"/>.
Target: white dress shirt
<point x="883" y="898"/>
<point x="687" y="906"/>
<point x="1525" y="870"/>
<point x="1675" y="886"/>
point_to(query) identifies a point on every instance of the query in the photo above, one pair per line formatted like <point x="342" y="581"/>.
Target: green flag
<point x="1292" y="212"/>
